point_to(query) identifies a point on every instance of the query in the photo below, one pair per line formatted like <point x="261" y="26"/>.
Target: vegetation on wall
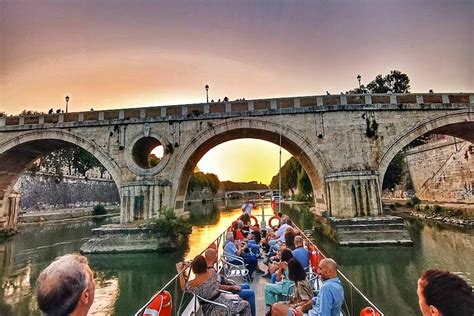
<point x="169" y="224"/>
<point x="293" y="177"/>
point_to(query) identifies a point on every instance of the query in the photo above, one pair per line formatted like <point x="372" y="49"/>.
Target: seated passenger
<point x="274" y="292"/>
<point x="303" y="292"/>
<point x="237" y="249"/>
<point x="329" y="300"/>
<point x="243" y="290"/>
<point x="301" y="253"/>
<point x="206" y="285"/>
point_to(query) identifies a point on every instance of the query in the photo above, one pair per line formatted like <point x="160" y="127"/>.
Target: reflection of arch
<point x="17" y="153"/>
<point x="458" y="124"/>
<point x="310" y="157"/>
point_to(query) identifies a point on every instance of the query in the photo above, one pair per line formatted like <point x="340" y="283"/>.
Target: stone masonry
<point x="443" y="171"/>
<point x="345" y="143"/>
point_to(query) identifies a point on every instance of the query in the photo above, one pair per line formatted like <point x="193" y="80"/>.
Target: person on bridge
<point x="66" y="286"/>
<point x="329" y="300"/>
<point x="441" y="293"/>
<point x="247" y="207"/>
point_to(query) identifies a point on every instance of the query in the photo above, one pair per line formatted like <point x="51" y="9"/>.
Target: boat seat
<point x="234" y="267"/>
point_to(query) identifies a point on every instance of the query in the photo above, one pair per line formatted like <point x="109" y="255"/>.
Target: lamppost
<point x="358" y="79"/>
<point x="67" y="101"/>
<point x="207" y="93"/>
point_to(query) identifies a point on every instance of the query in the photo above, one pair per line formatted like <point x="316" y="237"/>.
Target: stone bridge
<point x="246" y="192"/>
<point x="345" y="143"/>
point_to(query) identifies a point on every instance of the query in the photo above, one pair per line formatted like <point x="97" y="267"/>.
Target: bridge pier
<point x="143" y="200"/>
<point x="353" y="194"/>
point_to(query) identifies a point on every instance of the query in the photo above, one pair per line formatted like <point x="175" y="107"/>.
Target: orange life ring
<point x="271" y="219"/>
<point x="369" y="311"/>
<point x="160" y="306"/>
<point x="314" y="257"/>
<point x="255" y="220"/>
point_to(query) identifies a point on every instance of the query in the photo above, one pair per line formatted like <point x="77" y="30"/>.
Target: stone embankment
<point x="116" y="238"/>
<point x="468" y="223"/>
<point x="63" y="215"/>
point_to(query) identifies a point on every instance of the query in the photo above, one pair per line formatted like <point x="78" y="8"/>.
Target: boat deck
<point x="258" y="285"/>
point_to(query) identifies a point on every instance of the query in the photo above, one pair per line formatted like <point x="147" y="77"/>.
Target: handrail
<point x="218" y="241"/>
<point x="340" y="273"/>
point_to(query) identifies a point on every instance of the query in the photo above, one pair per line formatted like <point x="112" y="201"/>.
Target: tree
<point x="304" y="184"/>
<point x="394" y="172"/>
<point x="395" y="82"/>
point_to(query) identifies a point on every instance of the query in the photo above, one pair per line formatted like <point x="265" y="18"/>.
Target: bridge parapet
<point x="247" y="107"/>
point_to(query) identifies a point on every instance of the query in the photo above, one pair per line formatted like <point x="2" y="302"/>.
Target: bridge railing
<point x="195" y="110"/>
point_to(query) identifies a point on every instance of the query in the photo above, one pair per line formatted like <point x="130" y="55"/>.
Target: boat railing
<point x="185" y="303"/>
<point x="354" y="300"/>
<point x="183" y="299"/>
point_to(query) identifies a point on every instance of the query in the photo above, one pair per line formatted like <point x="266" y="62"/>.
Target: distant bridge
<point x="246" y="192"/>
<point x="344" y="142"/>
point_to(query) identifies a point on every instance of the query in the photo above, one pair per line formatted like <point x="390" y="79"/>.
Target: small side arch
<point x="18" y="152"/>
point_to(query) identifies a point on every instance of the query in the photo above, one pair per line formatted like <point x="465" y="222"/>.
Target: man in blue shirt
<point x="331" y="296"/>
<point x="301" y="253"/>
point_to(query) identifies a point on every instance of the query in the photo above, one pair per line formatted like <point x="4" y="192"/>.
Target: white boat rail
<point x="354" y="300"/>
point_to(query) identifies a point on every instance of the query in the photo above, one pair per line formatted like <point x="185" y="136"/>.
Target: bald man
<point x="329" y="300"/>
<point x="66" y="287"/>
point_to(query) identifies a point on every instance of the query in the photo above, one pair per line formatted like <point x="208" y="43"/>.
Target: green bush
<point x="99" y="209"/>
<point x="168" y="223"/>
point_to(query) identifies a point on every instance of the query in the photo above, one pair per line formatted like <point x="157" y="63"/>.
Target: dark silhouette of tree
<point x="201" y="180"/>
<point x="395" y="82"/>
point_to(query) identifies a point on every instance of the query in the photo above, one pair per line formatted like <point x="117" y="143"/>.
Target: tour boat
<point x="170" y="300"/>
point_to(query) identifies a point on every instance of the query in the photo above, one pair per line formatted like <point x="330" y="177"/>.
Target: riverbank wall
<point x="46" y="192"/>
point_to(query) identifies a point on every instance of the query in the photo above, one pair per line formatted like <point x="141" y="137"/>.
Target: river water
<point x="125" y="281"/>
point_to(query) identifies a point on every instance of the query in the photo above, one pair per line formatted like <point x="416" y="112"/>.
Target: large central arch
<point x="310" y="157"/>
<point x="459" y="124"/>
<point x="17" y="153"/>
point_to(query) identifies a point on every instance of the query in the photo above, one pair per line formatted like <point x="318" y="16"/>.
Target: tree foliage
<point x="238" y="186"/>
<point x="201" y="180"/>
<point x="394" y="82"/>
<point x="293" y="176"/>
<point x="394" y="172"/>
<point x="75" y="160"/>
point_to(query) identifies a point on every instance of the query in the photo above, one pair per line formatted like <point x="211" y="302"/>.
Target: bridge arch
<point x="459" y="124"/>
<point x="310" y="157"/>
<point x="18" y="152"/>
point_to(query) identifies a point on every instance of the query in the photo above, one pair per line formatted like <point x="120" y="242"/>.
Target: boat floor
<point x="258" y="285"/>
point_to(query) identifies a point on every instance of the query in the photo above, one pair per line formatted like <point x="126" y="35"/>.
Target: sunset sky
<point x="119" y="54"/>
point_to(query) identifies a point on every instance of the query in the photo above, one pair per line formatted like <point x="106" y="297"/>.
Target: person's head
<point x="327" y="269"/>
<point x="211" y="257"/>
<point x="229" y="236"/>
<point x="235" y="225"/>
<point x="286" y="255"/>
<point x="298" y="241"/>
<point x="295" y="270"/>
<point x="199" y="265"/>
<point x="441" y="293"/>
<point x="67" y="285"/>
<point x="290" y="238"/>
<point x="283" y="220"/>
<point x="289" y="222"/>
